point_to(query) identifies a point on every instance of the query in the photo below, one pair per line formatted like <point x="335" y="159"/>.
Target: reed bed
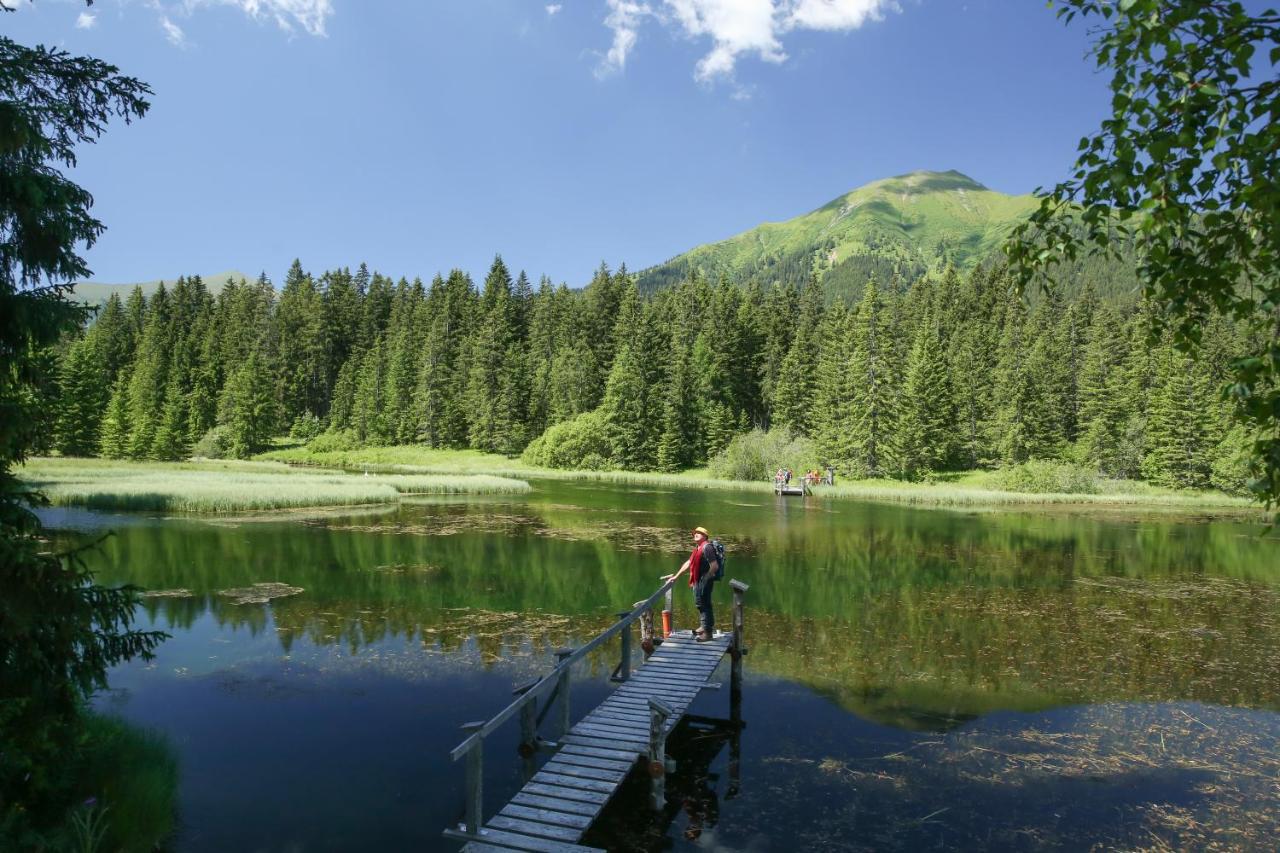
<point x="973" y="489"/>
<point x="217" y="487"/>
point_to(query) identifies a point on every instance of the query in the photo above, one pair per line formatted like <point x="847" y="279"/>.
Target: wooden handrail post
<point x="668" y="613"/>
<point x="659" y="712"/>
<point x="646" y="630"/>
<point x="475" y="781"/>
<point x="562" y="689"/>
<point x="624" y="671"/>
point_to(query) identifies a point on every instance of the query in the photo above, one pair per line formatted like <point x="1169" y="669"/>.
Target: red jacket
<point x="697" y="562"/>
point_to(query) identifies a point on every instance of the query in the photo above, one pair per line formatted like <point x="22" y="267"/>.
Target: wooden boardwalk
<point x="561" y="800"/>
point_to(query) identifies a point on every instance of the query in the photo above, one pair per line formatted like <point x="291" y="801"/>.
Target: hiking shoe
<point x="701" y="637"/>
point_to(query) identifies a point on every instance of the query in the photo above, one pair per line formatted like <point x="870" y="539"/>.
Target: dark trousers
<point x="702" y="601"/>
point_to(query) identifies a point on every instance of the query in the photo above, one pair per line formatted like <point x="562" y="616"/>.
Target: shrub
<point x="758" y="454"/>
<point x="306" y="427"/>
<point x="1039" y="476"/>
<point x="1232" y="468"/>
<point x="571" y="444"/>
<point x="343" y="439"/>
<point x="213" y="444"/>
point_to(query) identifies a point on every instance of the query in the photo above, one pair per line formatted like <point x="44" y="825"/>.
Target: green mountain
<point x="97" y="293"/>
<point x="909" y="226"/>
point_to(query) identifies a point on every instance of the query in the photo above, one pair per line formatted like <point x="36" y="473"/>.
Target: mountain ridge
<point x="906" y="225"/>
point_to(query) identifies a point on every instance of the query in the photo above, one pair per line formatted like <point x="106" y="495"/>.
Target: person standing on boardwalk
<point x="703" y="565"/>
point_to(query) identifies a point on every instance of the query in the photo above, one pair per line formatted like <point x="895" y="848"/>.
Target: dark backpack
<point x="718" y="547"/>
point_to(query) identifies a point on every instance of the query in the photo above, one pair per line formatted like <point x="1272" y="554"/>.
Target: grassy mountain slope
<point x="910" y="225"/>
<point x="96" y="293"/>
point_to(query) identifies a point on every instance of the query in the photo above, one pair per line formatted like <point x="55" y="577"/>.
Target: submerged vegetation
<point x="225" y="487"/>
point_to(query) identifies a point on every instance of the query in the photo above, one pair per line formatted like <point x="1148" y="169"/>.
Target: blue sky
<point x="421" y="136"/>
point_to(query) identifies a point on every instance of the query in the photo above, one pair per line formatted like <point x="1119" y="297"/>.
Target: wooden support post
<point x="738" y="649"/>
<point x="562" y="688"/>
<point x="659" y="712"/>
<point x="475" y="781"/>
<point x="624" y="671"/>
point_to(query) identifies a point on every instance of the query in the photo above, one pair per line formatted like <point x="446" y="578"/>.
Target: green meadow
<point x="216" y="486"/>
<point x="972" y="488"/>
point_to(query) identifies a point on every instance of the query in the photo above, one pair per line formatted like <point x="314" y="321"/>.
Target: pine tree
<point x="928" y="417"/>
<point x="251" y="406"/>
<point x="115" y="425"/>
<point x="793" y="393"/>
<point x="439" y="407"/>
<point x="1105" y="406"/>
<point x="495" y="366"/>
<point x="1182" y="429"/>
<point x="831" y="415"/>
<point x="84" y="399"/>
<point x="873" y="419"/>
<point x="149" y="377"/>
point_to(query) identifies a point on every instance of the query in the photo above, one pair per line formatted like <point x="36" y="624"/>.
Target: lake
<point x="917" y="678"/>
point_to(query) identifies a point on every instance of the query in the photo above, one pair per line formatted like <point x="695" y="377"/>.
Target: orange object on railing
<point x="666" y="623"/>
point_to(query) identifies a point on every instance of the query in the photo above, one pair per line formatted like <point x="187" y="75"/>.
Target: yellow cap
<point x="703" y="531"/>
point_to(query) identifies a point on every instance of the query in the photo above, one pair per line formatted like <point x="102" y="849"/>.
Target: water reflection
<point x="997" y="665"/>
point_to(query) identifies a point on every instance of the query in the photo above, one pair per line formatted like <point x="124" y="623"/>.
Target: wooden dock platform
<point x="561" y="799"/>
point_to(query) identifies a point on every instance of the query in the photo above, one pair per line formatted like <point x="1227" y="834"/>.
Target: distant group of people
<point x="811" y="478"/>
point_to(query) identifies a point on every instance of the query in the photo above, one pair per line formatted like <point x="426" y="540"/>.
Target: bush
<point x="1039" y="476"/>
<point x="343" y="439"/>
<point x="213" y="444"/>
<point x="758" y="455"/>
<point x="580" y="442"/>
<point x="306" y="427"/>
<point x="1232" y="467"/>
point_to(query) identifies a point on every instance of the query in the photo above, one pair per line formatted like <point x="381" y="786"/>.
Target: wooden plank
<point x="561" y="792"/>
<point x="623" y="711"/>
<point x="523" y="812"/>
<point x="606" y="742"/>
<point x="515" y="841"/>
<point x="598" y="752"/>
<point x="614" y="717"/>
<point x="541" y="801"/>
<point x="588" y="761"/>
<point x="563" y="768"/>
<point x="628" y="736"/>
<point x="678" y="666"/>
<point x="535" y="828"/>
<point x="548" y="778"/>
<point x="674" y="679"/>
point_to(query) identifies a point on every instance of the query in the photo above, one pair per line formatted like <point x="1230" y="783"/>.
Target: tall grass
<point x="128" y="779"/>
<point x="231" y="486"/>
<point x="969" y="489"/>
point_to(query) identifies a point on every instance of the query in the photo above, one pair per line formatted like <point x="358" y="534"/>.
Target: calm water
<point x="918" y="679"/>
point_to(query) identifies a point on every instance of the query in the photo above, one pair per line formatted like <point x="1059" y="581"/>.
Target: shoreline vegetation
<point x="966" y="489"/>
<point x="208" y="486"/>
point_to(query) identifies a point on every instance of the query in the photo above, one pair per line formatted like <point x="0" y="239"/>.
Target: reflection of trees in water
<point x="928" y="658"/>
<point x="917" y="617"/>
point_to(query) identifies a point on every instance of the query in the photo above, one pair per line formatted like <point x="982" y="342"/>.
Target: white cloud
<point x="310" y="15"/>
<point x="552" y="8"/>
<point x="624" y="18"/>
<point x="173" y="32"/>
<point x="85" y="21"/>
<point x="735" y="28"/>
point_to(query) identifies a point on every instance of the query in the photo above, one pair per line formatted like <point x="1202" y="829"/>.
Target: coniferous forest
<point x="952" y="372"/>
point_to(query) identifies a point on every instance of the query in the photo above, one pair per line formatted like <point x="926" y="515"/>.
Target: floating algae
<point x="259" y="593"/>
<point x="167" y="593"/>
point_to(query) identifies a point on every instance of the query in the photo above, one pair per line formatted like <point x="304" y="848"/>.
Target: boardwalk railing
<point x="554" y="685"/>
<point x="534" y="700"/>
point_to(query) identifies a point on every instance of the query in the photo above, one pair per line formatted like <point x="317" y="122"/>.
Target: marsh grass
<point x="974" y="489"/>
<point x="233" y="486"/>
<point x="129" y="778"/>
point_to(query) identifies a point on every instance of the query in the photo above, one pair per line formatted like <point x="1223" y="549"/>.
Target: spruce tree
<point x="928" y="418"/>
<point x="83" y="401"/>
<point x="1181" y="428"/>
<point x="115" y="424"/>
<point x="251" y="407"/>
<point x="831" y="413"/>
<point x="1105" y="407"/>
<point x="873" y="367"/>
